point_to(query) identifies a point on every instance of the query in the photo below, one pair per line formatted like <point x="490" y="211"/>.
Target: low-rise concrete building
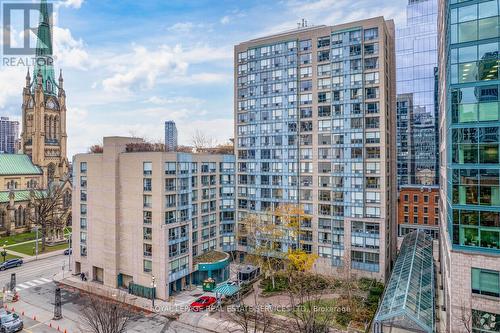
<point x="141" y="214"/>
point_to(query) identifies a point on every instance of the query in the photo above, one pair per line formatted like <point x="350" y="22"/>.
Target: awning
<point x="226" y="289"/>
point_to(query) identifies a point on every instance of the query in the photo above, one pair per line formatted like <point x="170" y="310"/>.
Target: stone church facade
<point x="42" y="161"/>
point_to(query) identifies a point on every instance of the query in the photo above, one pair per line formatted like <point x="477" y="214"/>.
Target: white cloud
<point x="72" y="3"/>
<point x="185" y="27"/>
<point x="143" y="68"/>
<point x="225" y="19"/>
<point x="11" y="83"/>
<point x="70" y="52"/>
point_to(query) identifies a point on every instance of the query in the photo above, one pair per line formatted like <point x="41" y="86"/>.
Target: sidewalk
<point x="176" y="310"/>
<point x="38" y="320"/>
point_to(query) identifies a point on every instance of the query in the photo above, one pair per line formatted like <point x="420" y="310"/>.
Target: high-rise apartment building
<point x="469" y="163"/>
<point x="170" y="136"/>
<point x="416" y="60"/>
<point x="140" y="214"/>
<point x="9" y="135"/>
<point x="315" y="126"/>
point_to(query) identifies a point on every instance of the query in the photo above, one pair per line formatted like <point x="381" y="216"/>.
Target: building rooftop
<point x="210" y="257"/>
<point x="17" y="164"/>
<point x="408" y="300"/>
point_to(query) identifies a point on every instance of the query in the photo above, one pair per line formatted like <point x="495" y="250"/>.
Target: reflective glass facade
<point x="473" y="126"/>
<point x="416" y="60"/>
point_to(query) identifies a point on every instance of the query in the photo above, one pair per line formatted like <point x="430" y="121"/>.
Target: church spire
<point x="44" y="57"/>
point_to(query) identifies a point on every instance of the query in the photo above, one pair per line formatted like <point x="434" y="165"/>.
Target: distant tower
<point x="9" y="135"/>
<point x="43" y="135"/>
<point x="170" y="135"/>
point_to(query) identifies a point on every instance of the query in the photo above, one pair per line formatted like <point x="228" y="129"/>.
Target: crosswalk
<point x="32" y="283"/>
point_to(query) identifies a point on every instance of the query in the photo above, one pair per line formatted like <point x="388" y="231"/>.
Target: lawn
<point x="19" y="238"/>
<point x="8" y="257"/>
<point x="28" y="248"/>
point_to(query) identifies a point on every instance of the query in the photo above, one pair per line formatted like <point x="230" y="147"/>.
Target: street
<point x="36" y="289"/>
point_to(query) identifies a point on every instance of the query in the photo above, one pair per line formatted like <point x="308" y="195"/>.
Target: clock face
<point x="51" y="104"/>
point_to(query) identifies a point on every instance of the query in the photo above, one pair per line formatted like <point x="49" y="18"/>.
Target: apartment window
<point x="83" y="209"/>
<point x="485" y="282"/>
<point x="83" y="196"/>
<point x="170" y="168"/>
<point x="147" y="250"/>
<point x="83" y="223"/>
<point x="371" y="34"/>
<point x="147" y="168"/>
<point x="147" y="184"/>
<point x="371" y="49"/>
<point x="83" y="181"/>
<point x="83" y="167"/>
<point x="147" y="233"/>
<point x="147" y="217"/>
<point x="147" y="201"/>
<point x="323" y="41"/>
<point x="148" y="266"/>
<point x="406" y="198"/>
<point x="415" y="198"/>
<point x="305" y="45"/>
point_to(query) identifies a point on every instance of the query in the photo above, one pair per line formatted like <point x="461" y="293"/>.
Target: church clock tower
<point x="43" y="136"/>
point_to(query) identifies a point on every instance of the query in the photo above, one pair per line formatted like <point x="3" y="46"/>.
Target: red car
<point x="202" y="303"/>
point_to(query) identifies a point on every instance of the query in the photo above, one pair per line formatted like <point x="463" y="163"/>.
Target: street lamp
<point x="69" y="252"/>
<point x="153" y="286"/>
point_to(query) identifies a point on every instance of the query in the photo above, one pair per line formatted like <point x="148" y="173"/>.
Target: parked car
<point x="11" y="323"/>
<point x="202" y="303"/>
<point x="3" y="313"/>
<point x="68" y="252"/>
<point x="11" y="263"/>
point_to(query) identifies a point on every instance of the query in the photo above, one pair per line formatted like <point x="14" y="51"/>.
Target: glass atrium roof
<point x="408" y="301"/>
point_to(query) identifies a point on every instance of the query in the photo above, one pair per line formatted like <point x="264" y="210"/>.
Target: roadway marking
<point x="38" y="282"/>
<point x="31" y="284"/>
<point x="46" y="280"/>
<point x="22" y="286"/>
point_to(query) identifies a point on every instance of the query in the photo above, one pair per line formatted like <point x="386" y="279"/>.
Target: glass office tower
<point x="416" y="60"/>
<point x="314" y="119"/>
<point x="470" y="166"/>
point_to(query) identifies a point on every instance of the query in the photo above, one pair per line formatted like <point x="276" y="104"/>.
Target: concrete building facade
<point x="315" y="127"/>
<point x="469" y="167"/>
<point x="140" y="214"/>
<point x="9" y="135"/>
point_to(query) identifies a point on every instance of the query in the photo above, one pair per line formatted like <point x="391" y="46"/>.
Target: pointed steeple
<point x="28" y="78"/>
<point x="44" y="58"/>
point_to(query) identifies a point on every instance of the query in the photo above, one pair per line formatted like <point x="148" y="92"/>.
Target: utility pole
<point x="69" y="252"/>
<point x="36" y="242"/>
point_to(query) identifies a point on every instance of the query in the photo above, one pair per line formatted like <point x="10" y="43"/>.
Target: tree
<point x="50" y="212"/>
<point x="105" y="313"/>
<point x="252" y="318"/>
<point x="202" y="141"/>
<point x="263" y="237"/>
<point x="308" y="313"/>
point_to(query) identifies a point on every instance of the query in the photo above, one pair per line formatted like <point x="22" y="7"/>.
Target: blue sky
<point x="130" y="65"/>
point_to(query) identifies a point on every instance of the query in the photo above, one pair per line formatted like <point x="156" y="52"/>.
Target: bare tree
<point x="201" y="140"/>
<point x="50" y="212"/>
<point x="105" y="313"/>
<point x="253" y="318"/>
<point x="465" y="318"/>
<point x="306" y="293"/>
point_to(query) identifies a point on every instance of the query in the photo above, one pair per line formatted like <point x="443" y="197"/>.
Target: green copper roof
<point x="44" y="64"/>
<point x="17" y="164"/>
<point x="18" y="196"/>
<point x="23" y="195"/>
